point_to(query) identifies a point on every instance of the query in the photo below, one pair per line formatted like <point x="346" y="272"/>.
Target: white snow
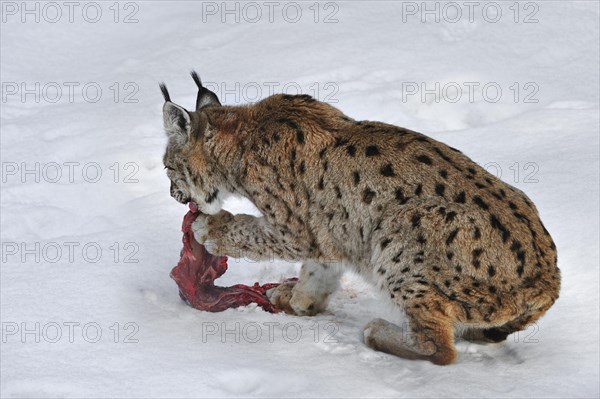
<point x="366" y="63"/>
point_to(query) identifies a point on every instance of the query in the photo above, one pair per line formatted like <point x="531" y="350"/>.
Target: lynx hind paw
<point x="372" y="330"/>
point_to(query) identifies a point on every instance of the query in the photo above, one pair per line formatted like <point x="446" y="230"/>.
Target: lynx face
<point x="184" y="159"/>
<point x="181" y="181"/>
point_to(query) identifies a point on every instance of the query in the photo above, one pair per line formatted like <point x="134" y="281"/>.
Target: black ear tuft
<point x="196" y="79"/>
<point x="165" y="92"/>
<point x="205" y="96"/>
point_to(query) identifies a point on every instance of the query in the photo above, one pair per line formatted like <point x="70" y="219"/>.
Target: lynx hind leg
<point x="428" y="335"/>
<point x="310" y="294"/>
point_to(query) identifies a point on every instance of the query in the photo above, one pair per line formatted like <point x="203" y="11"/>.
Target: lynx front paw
<point x="200" y="228"/>
<point x="280" y="296"/>
<point x="308" y="302"/>
<point x="291" y="299"/>
<point x="211" y="231"/>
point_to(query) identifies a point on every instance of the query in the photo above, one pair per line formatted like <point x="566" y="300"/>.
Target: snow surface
<point x="370" y="55"/>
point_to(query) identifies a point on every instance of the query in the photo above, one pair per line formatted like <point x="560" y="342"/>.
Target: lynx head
<point x="192" y="178"/>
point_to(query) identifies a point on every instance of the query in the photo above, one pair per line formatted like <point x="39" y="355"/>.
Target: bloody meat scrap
<point x="197" y="270"/>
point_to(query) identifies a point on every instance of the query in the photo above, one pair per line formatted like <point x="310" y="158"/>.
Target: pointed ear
<point x="205" y="96"/>
<point x="177" y="122"/>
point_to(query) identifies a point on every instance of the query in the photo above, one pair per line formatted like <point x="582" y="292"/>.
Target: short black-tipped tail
<point x="495" y="334"/>
<point x="196" y="79"/>
<point x="165" y="92"/>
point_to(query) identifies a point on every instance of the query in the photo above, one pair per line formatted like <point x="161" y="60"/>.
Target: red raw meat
<point x="197" y="270"/>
